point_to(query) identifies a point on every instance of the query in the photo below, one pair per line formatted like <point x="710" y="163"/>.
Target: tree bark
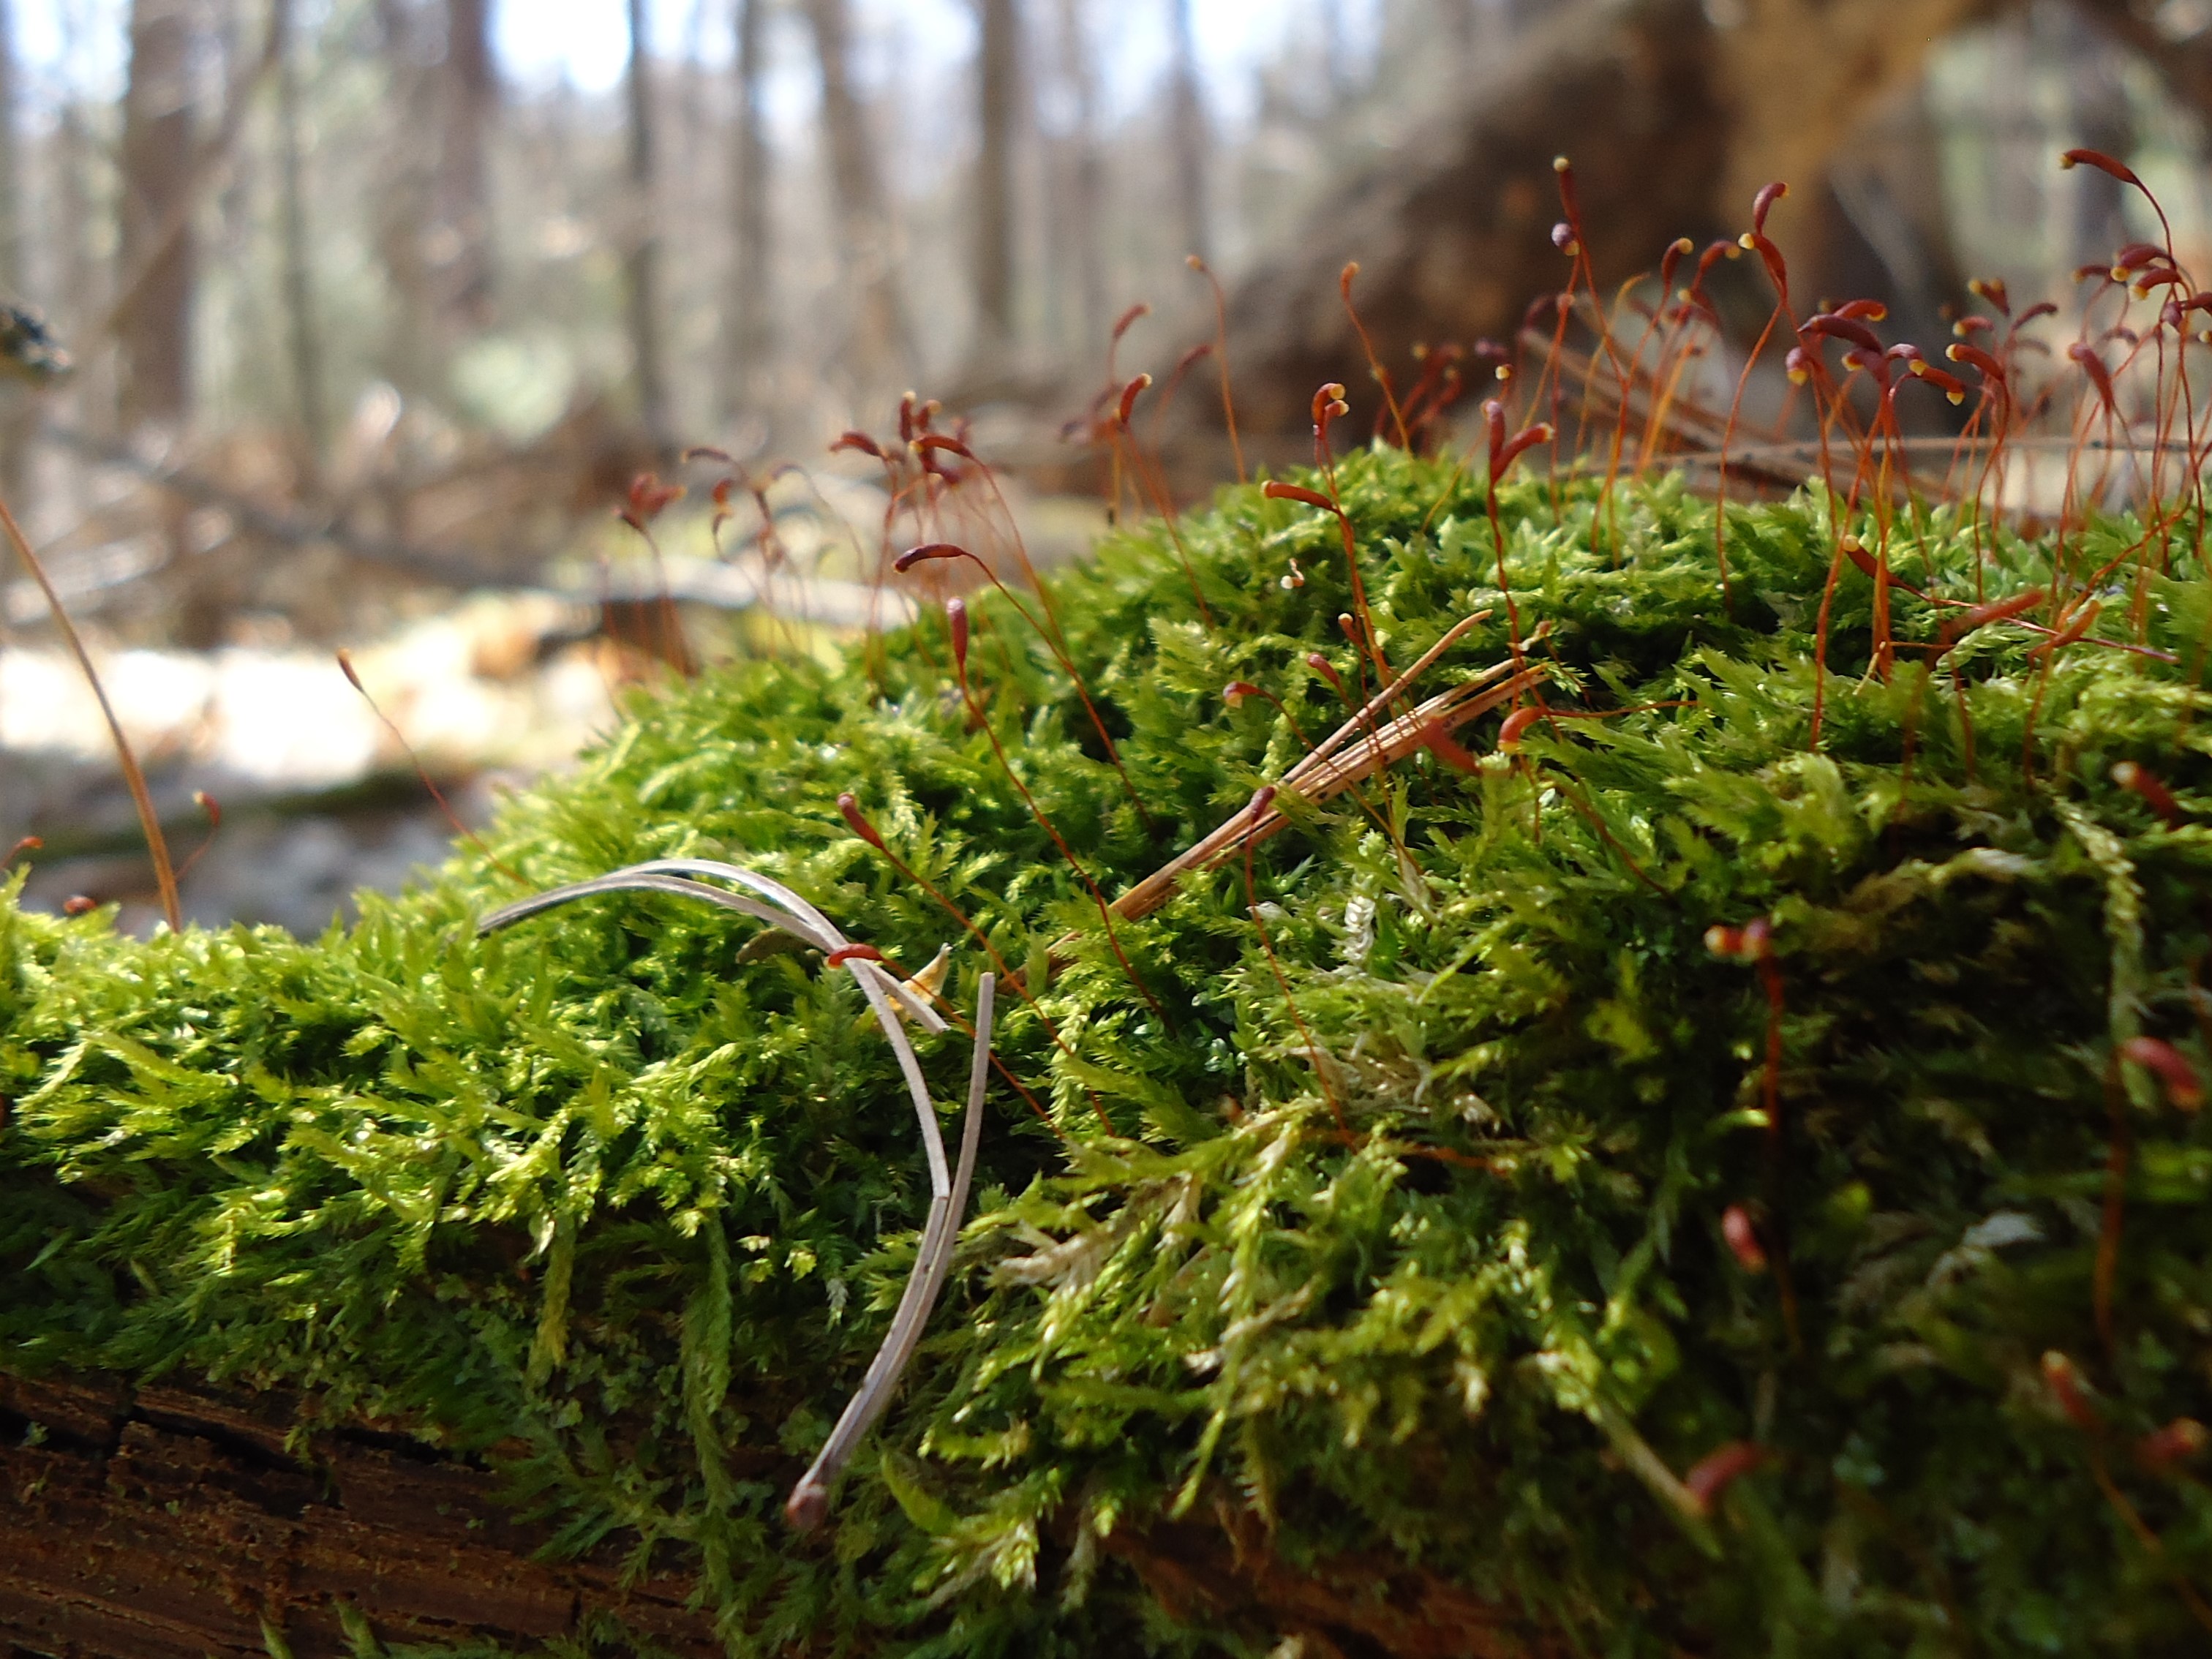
<point x="998" y="84"/>
<point x="163" y="1523"/>
<point x="157" y="175"/>
<point x="752" y="299"/>
<point x="642" y="261"/>
<point x="1335" y="43"/>
<point x="876" y="353"/>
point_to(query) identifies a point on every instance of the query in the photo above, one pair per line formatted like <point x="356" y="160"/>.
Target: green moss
<point x="624" y="1203"/>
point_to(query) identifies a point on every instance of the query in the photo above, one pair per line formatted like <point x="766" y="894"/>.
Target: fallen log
<point x="169" y="1523"/>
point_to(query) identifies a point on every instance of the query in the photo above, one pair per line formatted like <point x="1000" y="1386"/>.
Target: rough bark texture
<point x="1371" y="1607"/>
<point x="170" y="1524"/>
<point x="2185" y="65"/>
<point x="18" y="415"/>
<point x="165" y="1524"/>
<point x="1078" y="180"/>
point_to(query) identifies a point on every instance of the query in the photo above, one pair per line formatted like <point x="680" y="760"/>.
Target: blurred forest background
<point x="378" y="305"/>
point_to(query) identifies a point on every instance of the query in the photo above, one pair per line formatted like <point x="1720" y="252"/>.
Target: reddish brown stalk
<point x="1221" y="358"/>
<point x="2114" y="1218"/>
<point x="1576" y="245"/>
<point x="1502" y="453"/>
<point x="1363" y="716"/>
<point x="1276" y="490"/>
<point x="1105" y="914"/>
<point x="209" y="804"/>
<point x="1261" y="801"/>
<point x="1439" y="386"/>
<point x="1375" y="367"/>
<point x="444" y="809"/>
<point x="933" y="550"/>
<point x="1777" y="272"/>
<point x="2069" y="1394"/>
<point x="1153" y="478"/>
<point x="133" y="777"/>
<point x="1114" y="389"/>
<point x="1237" y="690"/>
<point x="848" y="807"/>
<point x="1324" y="775"/>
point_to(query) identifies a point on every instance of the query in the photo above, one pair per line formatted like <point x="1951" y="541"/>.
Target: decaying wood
<point x="1341" y="1605"/>
<point x="163" y="1523"/>
<point x="1672" y="121"/>
<point x="173" y="1524"/>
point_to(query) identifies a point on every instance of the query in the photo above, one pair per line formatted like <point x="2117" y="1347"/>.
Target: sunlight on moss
<point x="1490" y="1328"/>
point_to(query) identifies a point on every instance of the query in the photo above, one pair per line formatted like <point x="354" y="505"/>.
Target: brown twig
<point x="1324" y="773"/>
<point x="133" y="777"/>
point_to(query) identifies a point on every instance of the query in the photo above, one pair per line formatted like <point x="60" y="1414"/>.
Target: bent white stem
<point x="809" y="1499"/>
<point x="636" y="880"/>
<point x="781" y="908"/>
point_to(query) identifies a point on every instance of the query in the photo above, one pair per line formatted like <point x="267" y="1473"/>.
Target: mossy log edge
<point x="157" y="1521"/>
<point x="171" y="1523"/>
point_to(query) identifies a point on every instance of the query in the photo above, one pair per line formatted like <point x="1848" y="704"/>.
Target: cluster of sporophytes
<point x="1687" y="1186"/>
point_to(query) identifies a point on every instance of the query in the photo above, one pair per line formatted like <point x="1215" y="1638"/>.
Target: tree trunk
<point x="156" y="175"/>
<point x="461" y="252"/>
<point x="642" y="264"/>
<point x="2184" y="63"/>
<point x="405" y="191"/>
<point x="752" y="301"/>
<point x="82" y="271"/>
<point x="163" y="1523"/>
<point x="1187" y="131"/>
<point x="303" y="333"/>
<point x="18" y="412"/>
<point x="1080" y="200"/>
<point x="11" y="162"/>
<point x="998" y="81"/>
<point x="876" y="354"/>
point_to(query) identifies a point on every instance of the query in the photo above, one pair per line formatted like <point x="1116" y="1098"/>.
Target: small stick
<point x="809" y="1499"/>
<point x="445" y="807"/>
<point x="1388" y="693"/>
<point x="1319" y="776"/>
<point x="157" y="844"/>
<point x="772" y="902"/>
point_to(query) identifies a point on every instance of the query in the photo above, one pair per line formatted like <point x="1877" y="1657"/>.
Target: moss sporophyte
<point x="1674" y="1128"/>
